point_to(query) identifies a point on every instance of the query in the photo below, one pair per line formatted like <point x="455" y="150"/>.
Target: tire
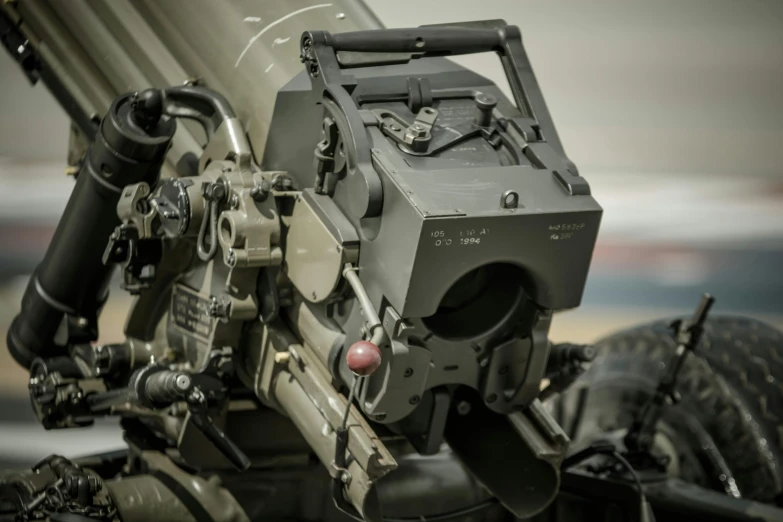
<point x="727" y="430"/>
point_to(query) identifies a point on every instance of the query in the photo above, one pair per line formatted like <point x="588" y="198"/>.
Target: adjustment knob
<point x="485" y="104"/>
<point x="363" y="358"/>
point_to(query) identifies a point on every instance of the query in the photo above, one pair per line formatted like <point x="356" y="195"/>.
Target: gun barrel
<point x="245" y="49"/>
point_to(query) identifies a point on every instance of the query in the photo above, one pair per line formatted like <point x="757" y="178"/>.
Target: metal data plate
<point x="314" y="257"/>
<point x="190" y="312"/>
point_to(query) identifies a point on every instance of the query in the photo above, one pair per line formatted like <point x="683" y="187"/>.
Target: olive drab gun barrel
<point x="323" y="221"/>
<point x="245" y="49"/>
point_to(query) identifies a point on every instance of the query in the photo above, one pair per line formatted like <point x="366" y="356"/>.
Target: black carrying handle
<point x="426" y="41"/>
<point x="431" y="41"/>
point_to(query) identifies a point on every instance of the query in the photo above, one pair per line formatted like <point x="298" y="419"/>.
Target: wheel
<point x="726" y="433"/>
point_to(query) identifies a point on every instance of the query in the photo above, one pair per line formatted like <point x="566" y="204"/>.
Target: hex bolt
<point x="416" y="131"/>
<point x="260" y="192"/>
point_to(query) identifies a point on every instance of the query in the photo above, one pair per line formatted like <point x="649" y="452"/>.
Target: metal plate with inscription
<point x="190" y="312"/>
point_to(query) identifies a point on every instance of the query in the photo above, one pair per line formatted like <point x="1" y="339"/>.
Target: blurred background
<point x="672" y="110"/>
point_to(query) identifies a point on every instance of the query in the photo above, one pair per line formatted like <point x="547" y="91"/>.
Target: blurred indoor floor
<point x="672" y="111"/>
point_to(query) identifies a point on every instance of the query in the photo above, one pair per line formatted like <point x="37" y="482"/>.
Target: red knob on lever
<point x="363" y="358"/>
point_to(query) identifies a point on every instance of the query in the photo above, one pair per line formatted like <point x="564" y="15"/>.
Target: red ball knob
<point x="363" y="358"/>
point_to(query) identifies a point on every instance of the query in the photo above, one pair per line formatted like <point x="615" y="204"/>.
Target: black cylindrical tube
<point x="72" y="280"/>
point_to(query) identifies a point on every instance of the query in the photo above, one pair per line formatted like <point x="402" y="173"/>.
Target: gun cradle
<point x="431" y="218"/>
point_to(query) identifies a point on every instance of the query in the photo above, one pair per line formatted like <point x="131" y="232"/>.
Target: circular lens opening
<point x="478" y="302"/>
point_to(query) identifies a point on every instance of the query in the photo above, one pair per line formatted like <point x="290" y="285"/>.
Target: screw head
<point x="463" y="407"/>
<point x="492" y="398"/>
<point x="408" y="372"/>
<point x="380" y="417"/>
<point x="503" y="370"/>
<point x="183" y="382"/>
<point x="486" y="101"/>
<point x="415" y="399"/>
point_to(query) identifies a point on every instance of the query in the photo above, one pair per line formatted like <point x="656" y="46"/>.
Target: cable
<point x="448" y="516"/>
<point x="645" y="513"/>
<point x="609" y="450"/>
<point x="627" y="465"/>
<point x="436" y="518"/>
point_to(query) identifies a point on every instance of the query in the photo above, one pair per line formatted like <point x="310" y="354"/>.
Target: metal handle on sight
<point x="430" y="41"/>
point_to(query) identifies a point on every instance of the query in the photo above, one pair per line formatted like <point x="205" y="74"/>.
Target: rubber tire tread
<point x="733" y="386"/>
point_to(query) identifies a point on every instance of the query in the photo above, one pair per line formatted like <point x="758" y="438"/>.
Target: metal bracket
<point x="414" y="137"/>
<point x="133" y="208"/>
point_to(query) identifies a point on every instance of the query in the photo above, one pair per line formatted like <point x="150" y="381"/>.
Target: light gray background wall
<point x="685" y="87"/>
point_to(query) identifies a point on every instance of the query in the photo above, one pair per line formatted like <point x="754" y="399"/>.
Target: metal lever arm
<point x="157" y="387"/>
<point x="687" y="336"/>
<point x="205" y="424"/>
